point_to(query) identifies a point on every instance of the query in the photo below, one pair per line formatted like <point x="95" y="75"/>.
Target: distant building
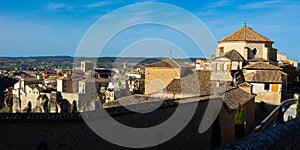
<point x="67" y="85"/>
<point x="290" y="67"/>
<point x="20" y="86"/>
<point x="87" y="65"/>
<point x="29" y="90"/>
<point x="283" y="61"/>
<point x="202" y="64"/>
<point x="92" y="85"/>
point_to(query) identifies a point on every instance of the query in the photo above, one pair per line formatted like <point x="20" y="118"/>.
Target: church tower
<point x="252" y="46"/>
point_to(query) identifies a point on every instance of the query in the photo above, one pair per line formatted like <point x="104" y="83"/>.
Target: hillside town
<point x="257" y="79"/>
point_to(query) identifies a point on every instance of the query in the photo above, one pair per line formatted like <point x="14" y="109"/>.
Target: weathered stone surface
<point x="69" y="131"/>
<point x="283" y="136"/>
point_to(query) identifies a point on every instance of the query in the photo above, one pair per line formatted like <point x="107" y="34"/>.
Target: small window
<point x="222" y="50"/>
<point x="267" y="86"/>
<point x="218" y="67"/>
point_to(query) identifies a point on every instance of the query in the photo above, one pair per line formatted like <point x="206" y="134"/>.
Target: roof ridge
<point x="245" y="34"/>
<point x="175" y="62"/>
<point x="259" y="66"/>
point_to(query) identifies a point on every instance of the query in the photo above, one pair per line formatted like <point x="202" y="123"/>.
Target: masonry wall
<point x="283" y="136"/>
<point x="227" y="121"/>
<point x="163" y="74"/>
<point x="239" y="46"/>
<point x="267" y="96"/>
<point x="67" y="133"/>
<point x="25" y="98"/>
<point x="262" y="48"/>
<point x="249" y="113"/>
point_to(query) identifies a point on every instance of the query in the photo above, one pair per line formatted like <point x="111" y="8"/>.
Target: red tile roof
<point x="245" y="34"/>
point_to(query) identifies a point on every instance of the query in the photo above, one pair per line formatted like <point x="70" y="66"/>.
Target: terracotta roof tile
<point x="264" y="76"/>
<point x="235" y="96"/>
<point x="261" y="66"/>
<point x="245" y="84"/>
<point x="245" y="34"/>
<point x="170" y="62"/>
<point x="190" y="83"/>
<point x="234" y="56"/>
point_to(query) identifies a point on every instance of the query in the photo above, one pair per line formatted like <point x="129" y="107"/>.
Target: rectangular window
<point x="275" y="88"/>
<point x="218" y="66"/>
<point x="267" y="86"/>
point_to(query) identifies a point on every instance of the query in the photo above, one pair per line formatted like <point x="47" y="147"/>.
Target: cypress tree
<point x="298" y="107"/>
<point x="239" y="116"/>
<point x="239" y="123"/>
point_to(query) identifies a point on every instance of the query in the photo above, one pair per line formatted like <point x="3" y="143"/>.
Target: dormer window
<point x="255" y="51"/>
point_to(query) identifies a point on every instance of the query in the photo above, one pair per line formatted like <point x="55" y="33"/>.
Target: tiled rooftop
<point x="245" y="34"/>
<point x="234" y="56"/>
<point x="261" y="66"/>
<point x="170" y="62"/>
<point x="268" y="76"/>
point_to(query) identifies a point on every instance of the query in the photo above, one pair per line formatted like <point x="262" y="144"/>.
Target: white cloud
<point x="256" y="5"/>
<point x="57" y="6"/>
<point x="103" y="3"/>
<point x="210" y="8"/>
<point x="220" y="3"/>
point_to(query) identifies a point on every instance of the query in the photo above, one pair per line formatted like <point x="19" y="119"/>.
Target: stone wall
<point x="165" y="75"/>
<point x="262" y="48"/>
<point x="227" y="122"/>
<point x="283" y="136"/>
<point x="268" y="97"/>
<point x="68" y="131"/>
<point x="227" y="130"/>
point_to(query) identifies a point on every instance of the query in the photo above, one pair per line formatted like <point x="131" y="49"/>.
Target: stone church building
<point x="251" y="45"/>
<point x="250" y="57"/>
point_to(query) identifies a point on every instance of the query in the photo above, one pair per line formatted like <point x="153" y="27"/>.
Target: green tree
<point x="239" y="123"/>
<point x="298" y="108"/>
<point x="102" y="97"/>
<point x="28" y="108"/>
<point x="74" y="107"/>
<point x="65" y="106"/>
<point x="58" y="96"/>
<point x="239" y="116"/>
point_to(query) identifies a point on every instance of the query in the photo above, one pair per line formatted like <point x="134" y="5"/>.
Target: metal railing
<point x="270" y="118"/>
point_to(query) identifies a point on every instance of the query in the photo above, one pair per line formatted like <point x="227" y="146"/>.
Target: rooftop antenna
<point x="245" y="25"/>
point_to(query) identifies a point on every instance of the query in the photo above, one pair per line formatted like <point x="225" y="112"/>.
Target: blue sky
<point x="39" y="28"/>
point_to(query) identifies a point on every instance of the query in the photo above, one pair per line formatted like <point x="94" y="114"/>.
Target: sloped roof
<point x="192" y="82"/>
<point x="245" y="34"/>
<point x="264" y="76"/>
<point x="245" y="84"/>
<point x="33" y="86"/>
<point x="96" y="80"/>
<point x="235" y="96"/>
<point x="52" y="77"/>
<point x="261" y="66"/>
<point x="170" y="62"/>
<point x="32" y="80"/>
<point x="234" y="56"/>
